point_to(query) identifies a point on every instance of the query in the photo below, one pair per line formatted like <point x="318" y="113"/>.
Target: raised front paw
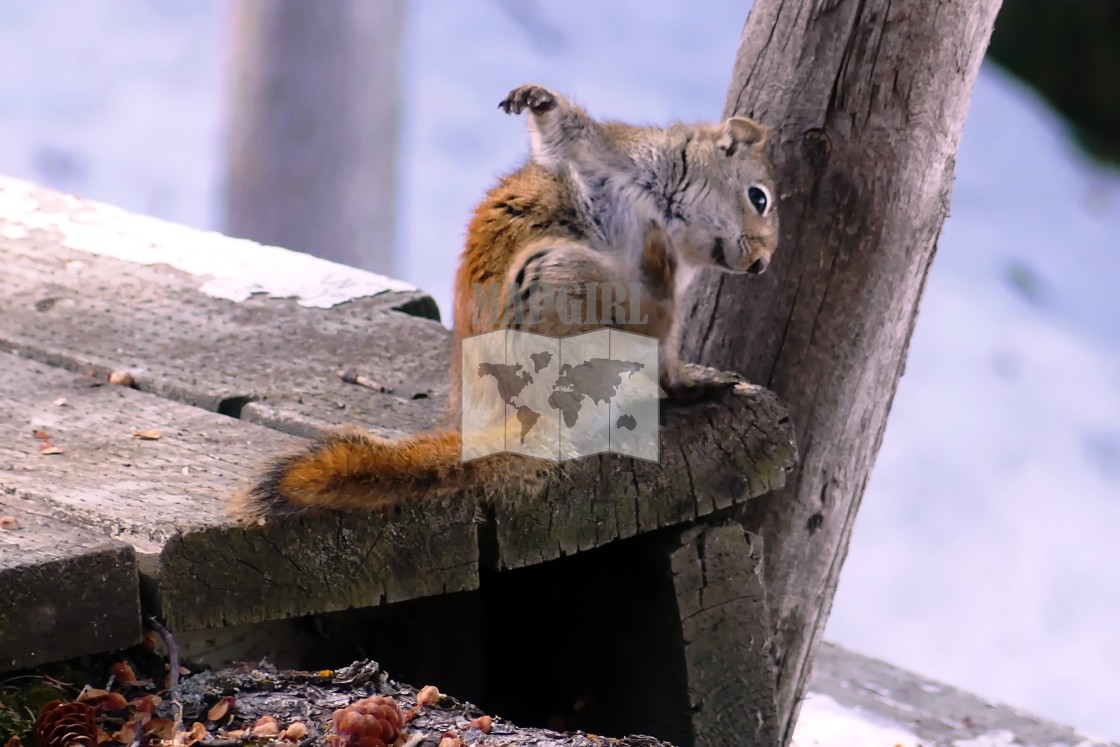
<point x="536" y="99"/>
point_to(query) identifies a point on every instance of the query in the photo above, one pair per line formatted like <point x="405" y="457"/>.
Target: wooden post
<point x="866" y="99"/>
<point x="314" y="106"/>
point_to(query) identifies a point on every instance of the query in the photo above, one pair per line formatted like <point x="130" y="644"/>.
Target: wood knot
<point x="816" y="148"/>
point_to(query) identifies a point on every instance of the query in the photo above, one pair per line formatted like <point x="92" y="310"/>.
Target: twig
<point x="173" y="662"/>
<point x="172" y="654"/>
<point x="38" y="676"/>
<point x="350" y="376"/>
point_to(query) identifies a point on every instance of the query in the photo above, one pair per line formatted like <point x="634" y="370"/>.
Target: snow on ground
<point x="984" y="554"/>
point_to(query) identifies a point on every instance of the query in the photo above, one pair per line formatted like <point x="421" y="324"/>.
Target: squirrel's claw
<point x="535" y="98"/>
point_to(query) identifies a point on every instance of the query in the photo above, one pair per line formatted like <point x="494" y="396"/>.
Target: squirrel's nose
<point x="758" y="267"/>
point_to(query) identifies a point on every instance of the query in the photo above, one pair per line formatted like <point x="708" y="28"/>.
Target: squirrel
<point x="598" y="204"/>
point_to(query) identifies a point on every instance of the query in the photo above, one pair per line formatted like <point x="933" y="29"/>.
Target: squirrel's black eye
<point x="759" y="198"/>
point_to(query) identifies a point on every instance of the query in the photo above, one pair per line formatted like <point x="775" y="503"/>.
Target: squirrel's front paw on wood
<point x="535" y="98"/>
<point x="692" y="383"/>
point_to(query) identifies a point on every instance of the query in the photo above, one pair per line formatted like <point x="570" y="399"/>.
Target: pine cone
<point x="371" y="722"/>
<point x="66" y="725"/>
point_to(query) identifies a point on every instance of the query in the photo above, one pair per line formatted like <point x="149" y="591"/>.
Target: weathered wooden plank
<point x="166" y="497"/>
<point x="714" y="454"/>
<point x="216" y="322"/>
<point x="726" y="636"/>
<point x="65" y="591"/>
<point x="874" y="700"/>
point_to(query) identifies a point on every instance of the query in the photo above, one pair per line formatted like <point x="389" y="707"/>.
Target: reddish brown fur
<point x="355" y="470"/>
<point x="527" y="205"/>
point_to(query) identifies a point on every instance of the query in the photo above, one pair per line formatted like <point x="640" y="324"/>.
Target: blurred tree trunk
<point x="866" y="99"/>
<point x="1070" y="53"/>
<point x="315" y="99"/>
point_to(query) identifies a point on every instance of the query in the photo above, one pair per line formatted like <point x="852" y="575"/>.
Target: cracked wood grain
<point x="866" y="100"/>
<point x="726" y="636"/>
<point x="715" y="454"/>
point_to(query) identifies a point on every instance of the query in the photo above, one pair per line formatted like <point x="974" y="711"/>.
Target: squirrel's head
<point x="721" y="201"/>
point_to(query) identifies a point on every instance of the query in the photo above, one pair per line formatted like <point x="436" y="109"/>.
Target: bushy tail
<point x="354" y="470"/>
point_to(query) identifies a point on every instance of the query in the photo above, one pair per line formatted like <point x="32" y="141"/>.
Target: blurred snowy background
<point x="986" y="551"/>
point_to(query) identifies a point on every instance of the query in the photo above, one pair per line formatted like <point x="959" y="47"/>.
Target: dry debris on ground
<point x="357" y="706"/>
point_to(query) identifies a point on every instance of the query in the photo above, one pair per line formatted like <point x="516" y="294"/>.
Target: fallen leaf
<point x="60" y="402"/>
<point x="13" y="742"/>
<point x="112" y="702"/>
<point x="122" y="670"/>
<point x="428" y="695"/>
<point x="450" y="742"/>
<point x="147" y="435"/>
<point x="235" y="734"/>
<point x="9" y="522"/>
<point x="121" y="378"/>
<point x="295" y="732"/>
<point x="266" y="726"/>
<point x="161" y="728"/>
<point x="187" y="738"/>
<point x="219" y="710"/>
<point x="48" y="448"/>
<point x="126" y="734"/>
<point x="91" y="693"/>
<point x="105" y="700"/>
<point x="103" y="736"/>
<point x="483" y="724"/>
<point x="146" y="703"/>
<point x="40" y="434"/>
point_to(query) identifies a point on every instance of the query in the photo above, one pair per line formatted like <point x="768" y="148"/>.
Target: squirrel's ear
<point x="740" y="132"/>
